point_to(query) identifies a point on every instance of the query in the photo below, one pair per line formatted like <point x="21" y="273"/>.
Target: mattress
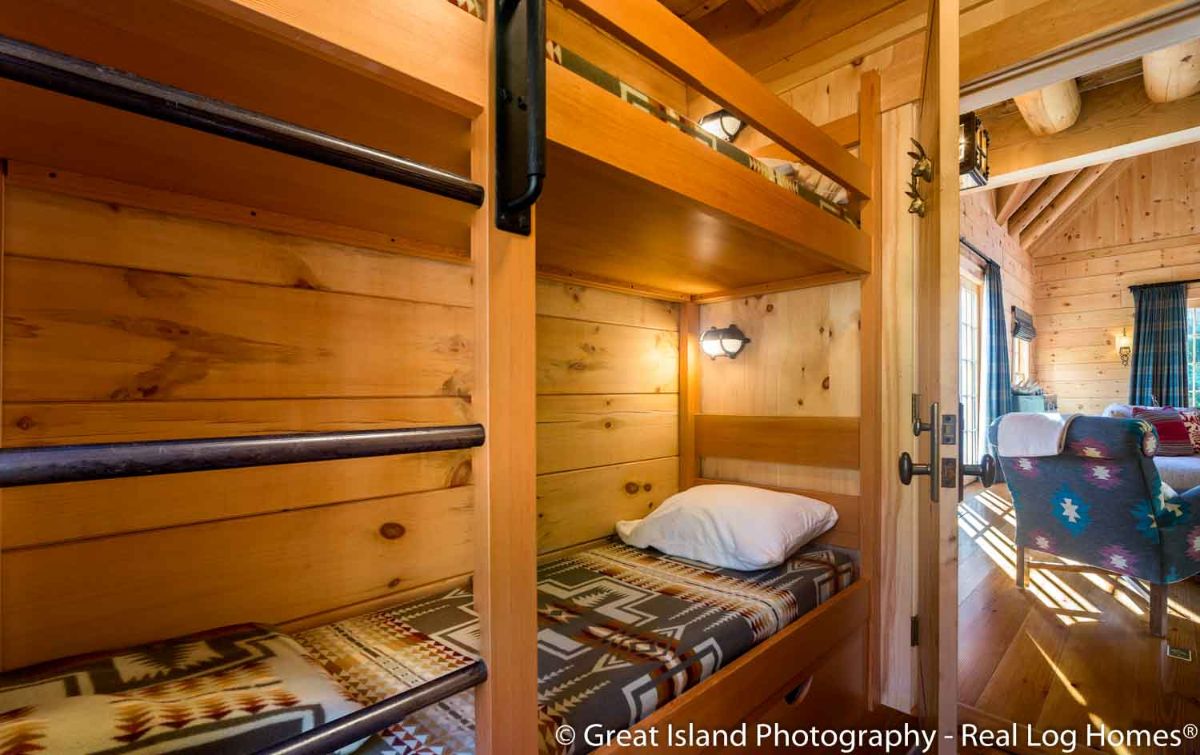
<point x="801" y="180"/>
<point x="621" y="632"/>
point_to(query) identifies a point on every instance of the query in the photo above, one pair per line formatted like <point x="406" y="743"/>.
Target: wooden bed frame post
<point x="871" y="345"/>
<point x="505" y="468"/>
<point x="689" y="392"/>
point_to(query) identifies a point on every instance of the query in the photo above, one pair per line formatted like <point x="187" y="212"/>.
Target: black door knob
<point x="985" y="470"/>
<point x="908" y="470"/>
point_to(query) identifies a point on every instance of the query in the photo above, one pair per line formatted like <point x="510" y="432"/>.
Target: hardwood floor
<point x="1072" y="650"/>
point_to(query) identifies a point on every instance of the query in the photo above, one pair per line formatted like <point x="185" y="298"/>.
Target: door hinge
<point x="914" y="632"/>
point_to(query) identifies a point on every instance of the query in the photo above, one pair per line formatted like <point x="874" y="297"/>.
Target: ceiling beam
<point x="1117" y="121"/>
<point x="1050" y="109"/>
<point x="1010" y="198"/>
<point x="1054" y="41"/>
<point x="1065" y="200"/>
<point x="1172" y="73"/>
<point x="1040" y="200"/>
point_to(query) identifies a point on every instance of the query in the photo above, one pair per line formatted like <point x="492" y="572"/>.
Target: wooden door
<point x="937" y="379"/>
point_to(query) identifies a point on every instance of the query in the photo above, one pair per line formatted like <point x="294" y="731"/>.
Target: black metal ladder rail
<point x="75" y="463"/>
<point x="46" y="69"/>
<point x="349" y="729"/>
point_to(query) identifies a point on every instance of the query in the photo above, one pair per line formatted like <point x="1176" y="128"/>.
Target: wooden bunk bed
<point x="694" y="227"/>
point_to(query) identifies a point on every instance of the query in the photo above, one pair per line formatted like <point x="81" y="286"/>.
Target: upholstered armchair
<point x="1100" y="503"/>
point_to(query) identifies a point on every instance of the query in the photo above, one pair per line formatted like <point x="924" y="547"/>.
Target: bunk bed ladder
<point x="41" y="465"/>
<point x="46" y="69"/>
<point x="520" y="108"/>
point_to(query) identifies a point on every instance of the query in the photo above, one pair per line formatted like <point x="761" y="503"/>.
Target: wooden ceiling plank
<point x="1102" y="185"/>
<point x="1172" y="73"/>
<point x="1117" y="121"/>
<point x="1010" y="198"/>
<point x="701" y="10"/>
<point x="1041" y="199"/>
<point x="1063" y="203"/>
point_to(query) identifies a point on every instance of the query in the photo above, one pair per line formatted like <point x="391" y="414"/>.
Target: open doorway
<point x="1083" y="233"/>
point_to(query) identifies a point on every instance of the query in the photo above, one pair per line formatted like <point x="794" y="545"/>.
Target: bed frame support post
<point x="871" y="464"/>
<point x="689" y="392"/>
<point x="505" y="468"/>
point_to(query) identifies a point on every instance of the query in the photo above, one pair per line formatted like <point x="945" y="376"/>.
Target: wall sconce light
<point x="1124" y="347"/>
<point x="722" y="124"/>
<point x="723" y="342"/>
<point x="973" y="143"/>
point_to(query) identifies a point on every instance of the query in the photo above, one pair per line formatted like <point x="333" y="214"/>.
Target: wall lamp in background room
<point x="1124" y="347"/>
<point x="722" y="124"/>
<point x="723" y="342"/>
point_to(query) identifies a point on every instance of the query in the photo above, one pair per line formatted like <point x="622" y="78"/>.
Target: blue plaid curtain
<point x="999" y="377"/>
<point x="1158" y="376"/>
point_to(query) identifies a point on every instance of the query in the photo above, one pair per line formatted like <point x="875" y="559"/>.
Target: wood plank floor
<point x="1074" y="649"/>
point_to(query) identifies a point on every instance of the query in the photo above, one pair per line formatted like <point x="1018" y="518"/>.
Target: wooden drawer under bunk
<point x="831" y="694"/>
<point x="771" y="683"/>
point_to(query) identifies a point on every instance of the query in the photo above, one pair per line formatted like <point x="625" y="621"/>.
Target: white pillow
<point x="1120" y="411"/>
<point x="732" y="526"/>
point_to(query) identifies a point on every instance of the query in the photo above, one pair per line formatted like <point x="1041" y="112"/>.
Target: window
<point x="1020" y="360"/>
<point x="969" y="361"/>
<point x="1193" y="356"/>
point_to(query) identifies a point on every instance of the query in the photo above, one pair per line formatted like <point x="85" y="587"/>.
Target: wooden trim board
<point x="813" y="441"/>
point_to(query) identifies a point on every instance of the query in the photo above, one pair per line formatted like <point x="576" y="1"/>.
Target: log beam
<point x="1040" y="200"/>
<point x="1066" y="199"/>
<point x="1010" y="198"/>
<point x="1050" y="109"/>
<point x="1172" y="73"/>
<point x="1117" y="121"/>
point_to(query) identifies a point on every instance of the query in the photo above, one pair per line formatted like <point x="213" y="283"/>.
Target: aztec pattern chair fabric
<point x="1101" y="503"/>
<point x="237" y="689"/>
<point x="623" y="631"/>
<point x="1158" y="369"/>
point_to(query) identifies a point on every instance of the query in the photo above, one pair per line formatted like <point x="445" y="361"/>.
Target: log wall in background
<point x="1142" y="228"/>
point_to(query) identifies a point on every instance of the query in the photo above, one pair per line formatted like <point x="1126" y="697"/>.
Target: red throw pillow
<point x="1173" y="436"/>
<point x="1191" y="420"/>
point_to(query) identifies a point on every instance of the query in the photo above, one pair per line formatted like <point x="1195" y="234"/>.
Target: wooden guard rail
<point x="658" y="34"/>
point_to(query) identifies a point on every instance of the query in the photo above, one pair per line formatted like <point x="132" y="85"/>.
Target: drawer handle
<point x="798" y="694"/>
<point x="392" y="531"/>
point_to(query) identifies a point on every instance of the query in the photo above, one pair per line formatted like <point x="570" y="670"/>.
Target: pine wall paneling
<point x="123" y="322"/>
<point x="1142" y="227"/>
<point x="608" y="444"/>
<point x="979" y="226"/>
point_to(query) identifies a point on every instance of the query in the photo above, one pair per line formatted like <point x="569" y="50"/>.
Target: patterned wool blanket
<point x="622" y="632"/>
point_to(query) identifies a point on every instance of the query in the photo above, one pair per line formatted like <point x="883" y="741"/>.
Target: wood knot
<point x="770" y="307"/>
<point x="394" y="583"/>
<point x="825" y="383"/>
<point x="647" y="487"/>
<point x="631" y="488"/>
<point x="25" y="423"/>
<point x="392" y="530"/>
<point x="608" y="424"/>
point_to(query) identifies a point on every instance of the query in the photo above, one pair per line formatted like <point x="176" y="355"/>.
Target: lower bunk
<point x="623" y="634"/>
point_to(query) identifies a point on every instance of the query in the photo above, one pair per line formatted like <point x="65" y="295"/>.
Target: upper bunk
<point x="406" y="78"/>
<point x="638" y="194"/>
<point x="632" y="200"/>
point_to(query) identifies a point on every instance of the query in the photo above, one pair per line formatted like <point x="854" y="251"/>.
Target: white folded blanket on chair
<point x="1032" y="434"/>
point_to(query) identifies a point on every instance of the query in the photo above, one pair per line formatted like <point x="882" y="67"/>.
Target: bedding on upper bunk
<point x="622" y="632"/>
<point x="474" y="7"/>
<point x="822" y="192"/>
<point x="236" y="689"/>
